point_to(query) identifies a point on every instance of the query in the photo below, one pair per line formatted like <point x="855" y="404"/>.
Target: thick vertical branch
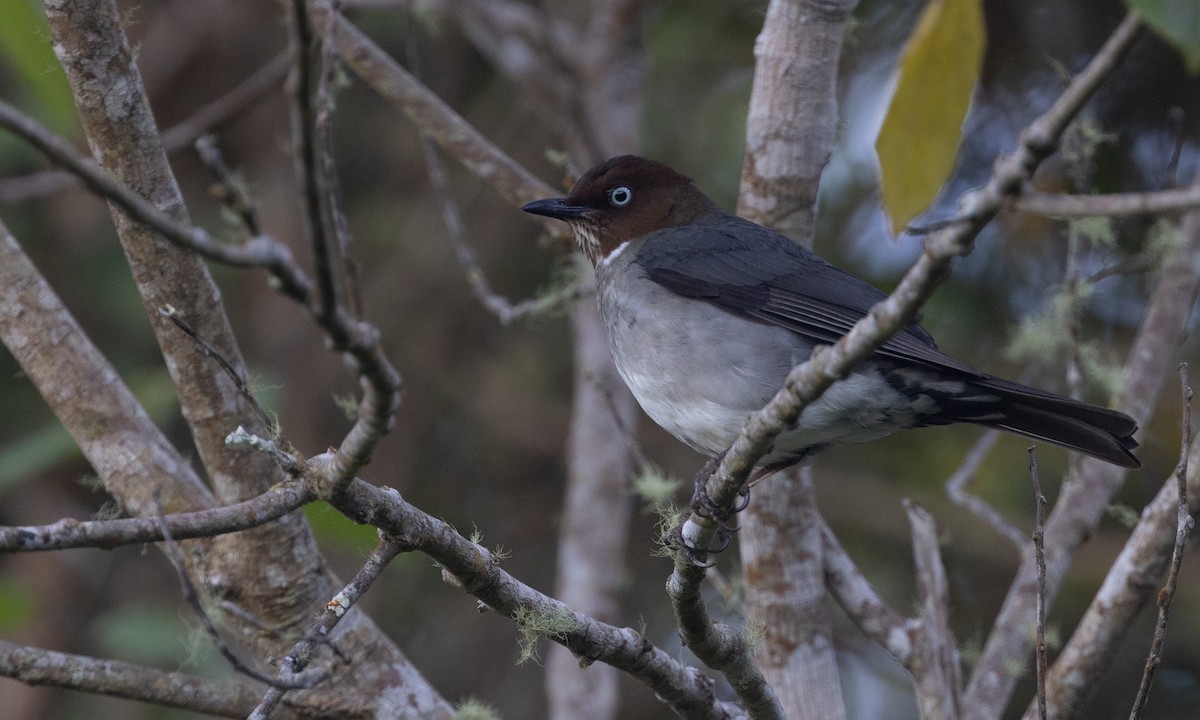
<point x="792" y="120"/>
<point x="596" y="511"/>
<point x="139" y="466"/>
<point x="273" y="576"/>
<point x="121" y="131"/>
<point x="789" y="136"/>
<point x="122" y="134"/>
<point x="595" y="518"/>
<point x="780" y="530"/>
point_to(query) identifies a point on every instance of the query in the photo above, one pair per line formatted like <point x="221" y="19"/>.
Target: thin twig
<point x="1039" y="551"/>
<point x="1183" y="529"/>
<point x="301" y="655"/>
<point x="687" y="690"/>
<point x="171" y="314"/>
<point x="957" y="492"/>
<point x="305" y="143"/>
<point x="345" y="265"/>
<point x="193" y="599"/>
<point x="271" y="505"/>
<point x="481" y="288"/>
<point x="228" y="190"/>
<point x="262" y="251"/>
<point x="1113" y="205"/>
<point x="174" y="139"/>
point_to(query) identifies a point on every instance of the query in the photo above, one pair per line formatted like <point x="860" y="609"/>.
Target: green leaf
<point x="1175" y="21"/>
<point x="920" y="134"/>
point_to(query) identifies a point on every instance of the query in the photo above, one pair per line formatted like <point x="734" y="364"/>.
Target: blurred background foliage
<point x="479" y="439"/>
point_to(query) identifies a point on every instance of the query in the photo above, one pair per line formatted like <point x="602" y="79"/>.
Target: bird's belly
<point x="699" y="371"/>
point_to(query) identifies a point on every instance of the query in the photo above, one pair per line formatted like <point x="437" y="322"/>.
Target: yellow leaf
<point x="920" y="134"/>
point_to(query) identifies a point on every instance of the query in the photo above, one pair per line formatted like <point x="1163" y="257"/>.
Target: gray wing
<point x="748" y="270"/>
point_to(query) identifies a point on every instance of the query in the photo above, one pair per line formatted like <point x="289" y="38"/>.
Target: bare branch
<point x="175" y="138"/>
<point x="477" y="572"/>
<point x="956" y="490"/>
<point x="719" y="646"/>
<point x="1128" y="585"/>
<point x="326" y="227"/>
<point x="878" y="621"/>
<point x="1068" y="206"/>
<point x="935" y="665"/>
<point x="1039" y="554"/>
<point x="1185" y="522"/>
<point x="306" y="150"/>
<point x="451" y="132"/>
<point x="1085" y="496"/>
<point x="263" y="251"/>
<point x="505" y="311"/>
<point x="298" y="659"/>
<point x="114" y="678"/>
<point x="108" y="534"/>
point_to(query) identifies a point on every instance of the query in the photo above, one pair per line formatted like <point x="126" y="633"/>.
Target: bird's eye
<point x="620" y="196"/>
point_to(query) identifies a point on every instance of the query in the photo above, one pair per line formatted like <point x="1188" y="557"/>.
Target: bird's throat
<point x="588" y="239"/>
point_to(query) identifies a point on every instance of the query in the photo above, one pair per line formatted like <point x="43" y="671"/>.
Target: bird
<point x="707" y="312"/>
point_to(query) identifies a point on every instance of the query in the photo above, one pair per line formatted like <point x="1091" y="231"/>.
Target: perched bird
<point x="707" y="313"/>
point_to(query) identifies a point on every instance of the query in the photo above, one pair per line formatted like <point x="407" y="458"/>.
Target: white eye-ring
<point x="620" y="196"/>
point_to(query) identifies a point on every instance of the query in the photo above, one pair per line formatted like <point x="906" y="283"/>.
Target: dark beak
<point x="557" y="208"/>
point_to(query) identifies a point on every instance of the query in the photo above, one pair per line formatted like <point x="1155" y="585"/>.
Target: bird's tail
<point x="1099" y="432"/>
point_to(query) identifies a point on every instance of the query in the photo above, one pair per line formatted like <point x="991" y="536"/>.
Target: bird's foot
<point x="692" y="554"/>
<point x="704" y="506"/>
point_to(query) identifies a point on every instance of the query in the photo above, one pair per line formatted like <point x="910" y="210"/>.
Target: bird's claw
<point x="704" y="507"/>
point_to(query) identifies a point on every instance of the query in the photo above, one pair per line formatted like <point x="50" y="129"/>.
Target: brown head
<point x="622" y="199"/>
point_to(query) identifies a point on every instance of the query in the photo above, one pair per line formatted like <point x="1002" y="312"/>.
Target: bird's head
<point x="622" y="199"/>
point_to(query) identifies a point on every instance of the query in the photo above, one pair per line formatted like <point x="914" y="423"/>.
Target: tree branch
<point x="1086" y="657"/>
<point x="1089" y="489"/>
<point x="1069" y="206"/>
<point x="891" y="630"/>
<point x="477" y="571"/>
<point x="431" y="115"/>
<point x="39" y="666"/>
<point x="935" y="665"/>
<point x="1184" y="522"/>
<point x="301" y="655"/>
<point x="953" y="239"/>
<point x="108" y="534"/>
<point x="174" y="139"/>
